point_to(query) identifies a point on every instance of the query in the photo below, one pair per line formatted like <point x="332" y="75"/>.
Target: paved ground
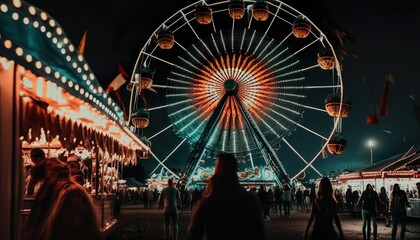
<point x="278" y="228"/>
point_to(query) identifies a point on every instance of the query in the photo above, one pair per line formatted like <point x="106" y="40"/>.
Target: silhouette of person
<point x="324" y="212"/>
<point x="399" y="204"/>
<point x="369" y="202"/>
<point x="62" y="208"/>
<point x="169" y="200"/>
<point x="226" y="210"/>
<point x="37" y="156"/>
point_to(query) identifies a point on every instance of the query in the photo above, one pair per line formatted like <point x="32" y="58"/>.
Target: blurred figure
<point x="263" y="197"/>
<point x="324" y="212"/>
<point x="226" y="210"/>
<point x="37" y="156"/>
<point x="287" y="199"/>
<point x="73" y="162"/>
<point x="369" y="202"/>
<point x="349" y="200"/>
<point x="384" y="209"/>
<point x="169" y="200"/>
<point x="399" y="204"/>
<point x="340" y="201"/>
<point x="62" y="209"/>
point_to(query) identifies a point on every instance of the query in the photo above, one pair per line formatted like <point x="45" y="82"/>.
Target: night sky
<point x="381" y="36"/>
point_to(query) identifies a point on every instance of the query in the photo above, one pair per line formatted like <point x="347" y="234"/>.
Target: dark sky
<point x="384" y="35"/>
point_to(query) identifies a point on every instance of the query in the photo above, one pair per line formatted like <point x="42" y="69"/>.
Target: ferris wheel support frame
<point x="276" y="165"/>
<point x="199" y="147"/>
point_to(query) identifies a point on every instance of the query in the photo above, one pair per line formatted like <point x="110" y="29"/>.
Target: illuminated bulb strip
<point x="234" y="141"/>
<point x="245" y="139"/>
<point x="199" y="52"/>
<point x="189" y="63"/>
<point x="169" y="105"/>
<point x="184" y="69"/>
<point x="286" y="109"/>
<point x="223" y="41"/>
<point x="224" y="137"/>
<point x="54" y="32"/>
<point x="214" y="43"/>
<point x="192" y="56"/>
<point x="266" y="47"/>
<point x="284" y="67"/>
<point x="242" y="41"/>
<point x="299" y="79"/>
<point x="179" y="80"/>
<point x="161" y="131"/>
<point x="251" y="41"/>
<point x="275" y="57"/>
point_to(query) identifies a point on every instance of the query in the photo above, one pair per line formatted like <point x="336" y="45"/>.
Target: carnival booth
<point x="58" y="105"/>
<point x="403" y="169"/>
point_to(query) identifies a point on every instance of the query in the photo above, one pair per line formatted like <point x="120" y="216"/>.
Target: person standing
<point x="287" y="199"/>
<point x="263" y="197"/>
<point x="226" y="210"/>
<point x="399" y="204"/>
<point x="369" y="202"/>
<point x="62" y="209"/>
<point x="384" y="209"/>
<point x="323" y="214"/>
<point x="37" y="156"/>
<point x="278" y="198"/>
<point x="169" y="200"/>
<point x="349" y="200"/>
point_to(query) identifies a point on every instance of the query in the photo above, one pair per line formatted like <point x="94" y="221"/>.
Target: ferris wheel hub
<point x="230" y="86"/>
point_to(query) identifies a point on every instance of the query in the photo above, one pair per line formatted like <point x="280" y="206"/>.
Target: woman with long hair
<point x="62" y="208"/>
<point x="399" y="205"/>
<point x="323" y="214"/>
<point x="226" y="210"/>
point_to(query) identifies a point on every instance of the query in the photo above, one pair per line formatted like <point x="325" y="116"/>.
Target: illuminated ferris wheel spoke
<point x="272" y="20"/>
<point x="300" y="156"/>
<point x="323" y="87"/>
<point x="311" y="131"/>
<point x="161" y="131"/>
<point x="269" y="44"/>
<point x="163" y="165"/>
<point x="167" y="157"/>
<point x="250" y="41"/>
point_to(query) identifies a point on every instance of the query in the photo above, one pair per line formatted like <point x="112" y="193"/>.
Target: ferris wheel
<point x="255" y="78"/>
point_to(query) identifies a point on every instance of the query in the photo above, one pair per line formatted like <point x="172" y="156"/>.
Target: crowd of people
<point x="217" y="210"/>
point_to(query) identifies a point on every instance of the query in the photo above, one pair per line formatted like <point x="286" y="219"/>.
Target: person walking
<point x="369" y="202"/>
<point x="226" y="210"/>
<point x="169" y="200"/>
<point x="399" y="204"/>
<point x="323" y="214"/>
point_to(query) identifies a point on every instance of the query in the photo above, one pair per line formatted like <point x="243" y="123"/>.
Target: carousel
<point x="53" y="101"/>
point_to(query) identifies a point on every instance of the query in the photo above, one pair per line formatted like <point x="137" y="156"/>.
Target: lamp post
<point x="371" y="144"/>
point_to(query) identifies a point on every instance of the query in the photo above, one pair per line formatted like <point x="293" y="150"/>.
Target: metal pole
<point x="371" y="156"/>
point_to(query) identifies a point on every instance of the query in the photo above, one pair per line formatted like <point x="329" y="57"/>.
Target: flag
<point x="416" y="108"/>
<point x="115" y="85"/>
<point x="384" y="104"/>
<point x="82" y="44"/>
<point x="118" y="81"/>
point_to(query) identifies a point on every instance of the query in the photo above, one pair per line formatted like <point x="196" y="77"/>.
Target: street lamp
<point x="371" y="144"/>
